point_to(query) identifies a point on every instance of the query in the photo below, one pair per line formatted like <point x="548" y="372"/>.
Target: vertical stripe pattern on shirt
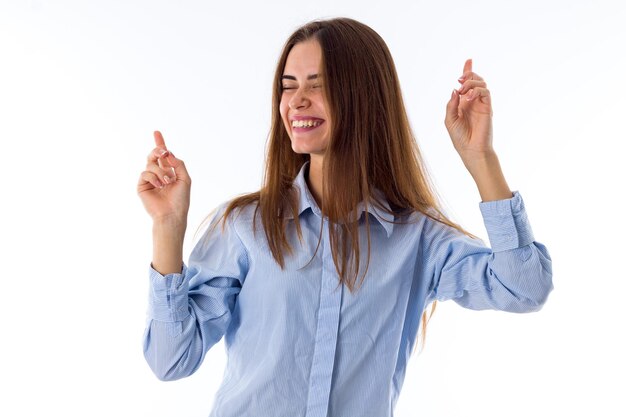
<point x="326" y="335"/>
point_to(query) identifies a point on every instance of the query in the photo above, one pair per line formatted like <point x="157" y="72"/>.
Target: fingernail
<point x="166" y="179"/>
<point x="162" y="153"/>
<point x="461" y="79"/>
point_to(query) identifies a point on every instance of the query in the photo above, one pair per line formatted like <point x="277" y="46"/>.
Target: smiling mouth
<point x="306" y="123"/>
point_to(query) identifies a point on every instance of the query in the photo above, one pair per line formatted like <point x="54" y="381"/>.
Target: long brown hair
<point x="371" y="146"/>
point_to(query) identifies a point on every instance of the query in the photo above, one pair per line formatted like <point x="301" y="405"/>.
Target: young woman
<point x="318" y="280"/>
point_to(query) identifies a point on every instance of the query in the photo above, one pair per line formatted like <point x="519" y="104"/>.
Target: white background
<point x="84" y="84"/>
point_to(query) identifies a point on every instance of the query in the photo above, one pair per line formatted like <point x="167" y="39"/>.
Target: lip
<point x="304" y="118"/>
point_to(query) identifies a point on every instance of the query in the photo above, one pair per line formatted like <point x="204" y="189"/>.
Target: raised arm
<point x="469" y="123"/>
<point x="515" y="274"/>
<point x="164" y="189"/>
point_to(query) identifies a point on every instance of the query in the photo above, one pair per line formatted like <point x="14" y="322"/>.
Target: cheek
<point x="324" y="108"/>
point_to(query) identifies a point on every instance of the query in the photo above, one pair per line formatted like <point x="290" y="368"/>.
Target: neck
<point x="315" y="178"/>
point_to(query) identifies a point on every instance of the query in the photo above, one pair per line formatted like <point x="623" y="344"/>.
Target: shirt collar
<point x="306" y="200"/>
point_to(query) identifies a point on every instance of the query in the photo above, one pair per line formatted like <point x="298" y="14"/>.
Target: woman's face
<point x="302" y="105"/>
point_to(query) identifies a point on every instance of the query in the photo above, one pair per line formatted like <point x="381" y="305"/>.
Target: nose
<point x="299" y="100"/>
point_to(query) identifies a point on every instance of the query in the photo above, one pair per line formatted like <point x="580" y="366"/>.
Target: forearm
<point x="514" y="275"/>
<point x="167" y="246"/>
<point x="173" y="350"/>
<point x="517" y="280"/>
<point x="487" y="173"/>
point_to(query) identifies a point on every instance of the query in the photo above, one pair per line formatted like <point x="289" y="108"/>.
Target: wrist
<point x="167" y="249"/>
<point x="480" y="162"/>
<point x="487" y="174"/>
<point x="169" y="223"/>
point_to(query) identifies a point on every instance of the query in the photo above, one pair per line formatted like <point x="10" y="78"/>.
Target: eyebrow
<point x="310" y="77"/>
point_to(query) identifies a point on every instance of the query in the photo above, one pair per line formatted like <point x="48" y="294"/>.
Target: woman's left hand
<point x="468" y="117"/>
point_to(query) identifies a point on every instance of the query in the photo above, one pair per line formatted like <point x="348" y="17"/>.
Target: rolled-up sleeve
<point x="190" y="312"/>
<point x="514" y="275"/>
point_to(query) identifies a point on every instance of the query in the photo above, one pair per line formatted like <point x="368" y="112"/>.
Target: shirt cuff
<point x="168" y="300"/>
<point x="507" y="223"/>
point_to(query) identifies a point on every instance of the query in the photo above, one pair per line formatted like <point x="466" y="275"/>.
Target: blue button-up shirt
<point x="300" y="345"/>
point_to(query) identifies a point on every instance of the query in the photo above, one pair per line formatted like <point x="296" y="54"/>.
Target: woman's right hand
<point x="165" y="185"/>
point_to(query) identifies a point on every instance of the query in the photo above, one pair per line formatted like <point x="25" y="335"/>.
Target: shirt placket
<point x="326" y="334"/>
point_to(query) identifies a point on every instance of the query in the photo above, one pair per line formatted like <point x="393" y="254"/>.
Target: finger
<point x="469" y="84"/>
<point x="150" y="178"/>
<point x="452" y="108"/>
<point x="161" y="150"/>
<point x="470" y="76"/>
<point x="166" y="161"/>
<point x="157" y="153"/>
<point x="165" y="175"/>
<point x="468" y="66"/>
<point x="180" y="170"/>
<point x="468" y="73"/>
<point x="158" y="140"/>
<point x="479" y="92"/>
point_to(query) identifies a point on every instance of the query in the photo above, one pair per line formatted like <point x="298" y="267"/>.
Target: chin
<point x="302" y="146"/>
<point x="307" y="149"/>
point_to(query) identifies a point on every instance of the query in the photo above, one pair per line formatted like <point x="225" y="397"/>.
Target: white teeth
<point x="305" y="123"/>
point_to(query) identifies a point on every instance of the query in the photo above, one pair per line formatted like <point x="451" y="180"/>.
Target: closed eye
<point x="284" y="88"/>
